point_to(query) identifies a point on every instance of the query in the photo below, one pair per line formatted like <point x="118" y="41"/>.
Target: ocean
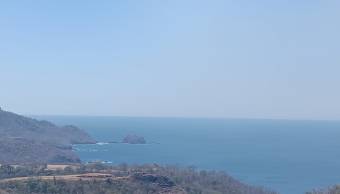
<point x="290" y="157"/>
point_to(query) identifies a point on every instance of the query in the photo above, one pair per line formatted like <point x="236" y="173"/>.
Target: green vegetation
<point x="333" y="190"/>
<point x="123" y="179"/>
<point x="38" y="186"/>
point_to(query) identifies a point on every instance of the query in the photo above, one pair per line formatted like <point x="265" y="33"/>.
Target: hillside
<point x="27" y="140"/>
<point x="332" y="190"/>
<point x="13" y="125"/>
<point x="20" y="151"/>
<point x="123" y="179"/>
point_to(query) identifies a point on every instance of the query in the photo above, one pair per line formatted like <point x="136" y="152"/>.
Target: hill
<point x="27" y="140"/>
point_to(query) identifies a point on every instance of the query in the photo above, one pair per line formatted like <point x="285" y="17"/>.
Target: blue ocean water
<point x="290" y="157"/>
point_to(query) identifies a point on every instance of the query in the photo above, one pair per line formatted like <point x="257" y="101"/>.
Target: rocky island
<point x="134" y="139"/>
<point x="30" y="141"/>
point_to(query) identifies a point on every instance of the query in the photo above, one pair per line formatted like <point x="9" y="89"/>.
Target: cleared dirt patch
<point x="55" y="167"/>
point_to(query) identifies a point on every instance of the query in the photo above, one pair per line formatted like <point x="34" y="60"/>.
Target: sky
<point x="171" y="58"/>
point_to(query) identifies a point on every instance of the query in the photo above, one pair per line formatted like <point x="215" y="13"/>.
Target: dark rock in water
<point x="26" y="140"/>
<point x="134" y="139"/>
<point x="114" y="142"/>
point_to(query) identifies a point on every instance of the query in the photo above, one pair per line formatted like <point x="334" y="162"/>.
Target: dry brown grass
<point x="60" y="166"/>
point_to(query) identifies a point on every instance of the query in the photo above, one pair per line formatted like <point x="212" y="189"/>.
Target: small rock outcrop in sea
<point x="134" y="139"/>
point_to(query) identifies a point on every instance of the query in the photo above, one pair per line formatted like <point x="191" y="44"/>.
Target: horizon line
<point x="183" y="117"/>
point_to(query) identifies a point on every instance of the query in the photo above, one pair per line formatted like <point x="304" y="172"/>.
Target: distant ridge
<point x="27" y="140"/>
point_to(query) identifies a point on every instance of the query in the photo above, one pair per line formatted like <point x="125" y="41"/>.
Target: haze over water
<point x="217" y="58"/>
<point x="291" y="157"/>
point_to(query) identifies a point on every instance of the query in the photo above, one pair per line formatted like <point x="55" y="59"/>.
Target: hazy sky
<point x="227" y="58"/>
